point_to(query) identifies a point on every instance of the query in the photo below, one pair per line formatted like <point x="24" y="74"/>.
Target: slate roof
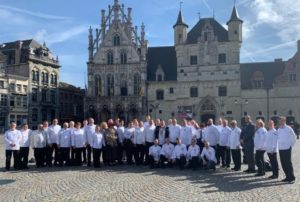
<point x="234" y="16"/>
<point x="164" y="57"/>
<point x="12" y="45"/>
<point x="196" y="31"/>
<point x="180" y="20"/>
<point x="270" y="71"/>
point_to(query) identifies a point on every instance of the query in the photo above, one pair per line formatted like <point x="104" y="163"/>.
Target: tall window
<point x="123" y="85"/>
<point x="222" y="58"/>
<point x="137" y="84"/>
<point x="110" y="85"/>
<point x="110" y="58"/>
<point x="24" y="101"/>
<point x="159" y="95"/>
<point x="194" y="92"/>
<point x="44" y="95"/>
<point x="116" y="40"/>
<point x="2" y="84"/>
<point x="258" y="80"/>
<point x="123" y="57"/>
<point x="98" y="86"/>
<point x="3" y="100"/>
<point x="292" y="77"/>
<point x="35" y="75"/>
<point x="53" y="97"/>
<point x="12" y="101"/>
<point x="194" y="60"/>
<point x="222" y="91"/>
<point x="34" y="95"/>
<point x="19" y="101"/>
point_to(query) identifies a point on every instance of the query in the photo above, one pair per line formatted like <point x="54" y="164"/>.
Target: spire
<point x="180" y="20"/>
<point x="234" y="16"/>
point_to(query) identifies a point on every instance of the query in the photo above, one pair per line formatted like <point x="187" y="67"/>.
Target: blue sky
<point x="271" y="28"/>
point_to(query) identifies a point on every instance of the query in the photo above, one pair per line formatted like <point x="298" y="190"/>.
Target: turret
<point x="91" y="45"/>
<point x="180" y="30"/>
<point x="235" y="27"/>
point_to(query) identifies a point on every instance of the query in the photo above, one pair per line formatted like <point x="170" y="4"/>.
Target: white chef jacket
<point x="193" y="151"/>
<point x="259" y="138"/>
<point x="186" y="135"/>
<point x="139" y="136"/>
<point x="167" y="150"/>
<point x="89" y="130"/>
<point x="174" y="132"/>
<point x="39" y="139"/>
<point x="129" y="134"/>
<point x="209" y="153"/>
<point x="149" y="132"/>
<point x="12" y="137"/>
<point x="25" y="138"/>
<point x="78" y="138"/>
<point x="271" y="144"/>
<point x="120" y="131"/>
<point x="211" y="134"/>
<point x="65" y="138"/>
<point x="234" y="139"/>
<point x="179" y="150"/>
<point x="53" y="131"/>
<point x="224" y="136"/>
<point x="154" y="151"/>
<point x="286" y="137"/>
<point x="98" y="140"/>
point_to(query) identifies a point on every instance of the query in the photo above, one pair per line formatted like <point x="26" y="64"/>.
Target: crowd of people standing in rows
<point x="155" y="143"/>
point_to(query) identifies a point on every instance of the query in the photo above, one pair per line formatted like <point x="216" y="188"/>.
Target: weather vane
<point x="199" y="14"/>
<point x="181" y="2"/>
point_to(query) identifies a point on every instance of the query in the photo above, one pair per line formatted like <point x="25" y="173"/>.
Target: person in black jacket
<point x="247" y="141"/>
<point x="157" y="128"/>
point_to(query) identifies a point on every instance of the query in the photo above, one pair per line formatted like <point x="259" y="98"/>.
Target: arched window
<point x="37" y="76"/>
<point x="123" y="85"/>
<point x="116" y="40"/>
<point x="98" y="86"/>
<point x="258" y="80"/>
<point x="43" y="77"/>
<point x="110" y="58"/>
<point x="33" y="75"/>
<point x="137" y="84"/>
<point x="123" y="57"/>
<point x="110" y="85"/>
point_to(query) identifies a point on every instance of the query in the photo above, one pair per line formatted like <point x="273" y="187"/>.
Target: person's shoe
<point x="237" y="169"/>
<point x="291" y="181"/>
<point x="285" y="180"/>
<point x="259" y="174"/>
<point x="223" y="166"/>
<point x="232" y="168"/>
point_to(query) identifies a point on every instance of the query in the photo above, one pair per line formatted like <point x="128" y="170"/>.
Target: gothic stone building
<point x="199" y="77"/>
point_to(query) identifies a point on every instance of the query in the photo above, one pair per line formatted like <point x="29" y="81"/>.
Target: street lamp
<point x="241" y="103"/>
<point x="155" y="107"/>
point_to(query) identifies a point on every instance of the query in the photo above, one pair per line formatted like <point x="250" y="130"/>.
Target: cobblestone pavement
<point x="132" y="183"/>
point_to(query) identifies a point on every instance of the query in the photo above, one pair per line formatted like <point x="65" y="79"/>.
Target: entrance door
<point x="205" y="117"/>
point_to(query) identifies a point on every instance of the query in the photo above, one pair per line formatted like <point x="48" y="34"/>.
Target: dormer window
<point x="258" y="80"/>
<point x="116" y="40"/>
<point x="160" y="74"/>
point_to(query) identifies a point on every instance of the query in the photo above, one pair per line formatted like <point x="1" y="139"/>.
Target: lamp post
<point x="155" y="107"/>
<point x="241" y="103"/>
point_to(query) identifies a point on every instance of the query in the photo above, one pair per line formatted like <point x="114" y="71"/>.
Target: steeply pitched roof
<point x="234" y="16"/>
<point x="12" y="45"/>
<point x="67" y="86"/>
<point x="180" y="20"/>
<point x="164" y="57"/>
<point x="270" y="71"/>
<point x="196" y="31"/>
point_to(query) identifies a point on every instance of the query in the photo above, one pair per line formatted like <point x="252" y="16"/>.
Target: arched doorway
<point x="208" y="111"/>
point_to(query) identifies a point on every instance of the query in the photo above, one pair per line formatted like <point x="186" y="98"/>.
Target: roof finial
<point x="234" y="2"/>
<point x="199" y="15"/>
<point x="213" y="13"/>
<point x="181" y="2"/>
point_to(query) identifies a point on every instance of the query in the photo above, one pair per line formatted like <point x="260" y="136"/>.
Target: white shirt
<point x="120" y="131"/>
<point x="53" y="131"/>
<point x="234" y="139"/>
<point x="186" y="135"/>
<point x="39" y="139"/>
<point x="154" y="151"/>
<point x="271" y="144"/>
<point x="179" y="150"/>
<point x="129" y="134"/>
<point x="259" y="139"/>
<point x="209" y="153"/>
<point x="78" y="138"/>
<point x="65" y="138"/>
<point x="161" y="136"/>
<point x="193" y="151"/>
<point x="139" y="136"/>
<point x="167" y="150"/>
<point x="89" y="130"/>
<point x="211" y="134"/>
<point x="149" y="132"/>
<point x="224" y="136"/>
<point x="286" y="137"/>
<point x="98" y="140"/>
<point x="12" y="137"/>
<point x="174" y="132"/>
<point x="25" y="138"/>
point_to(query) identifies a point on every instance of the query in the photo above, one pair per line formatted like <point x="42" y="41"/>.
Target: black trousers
<point x="72" y="155"/>
<point x="96" y="157"/>
<point x="84" y="155"/>
<point x="260" y="161"/>
<point x="8" y="155"/>
<point x="148" y="145"/>
<point x="236" y="157"/>
<point x="139" y="153"/>
<point x="78" y="156"/>
<point x="286" y="163"/>
<point x="200" y="144"/>
<point x="164" y="159"/>
<point x="194" y="162"/>
<point x="39" y="155"/>
<point x="222" y="153"/>
<point x="153" y="163"/>
<point x="48" y="155"/>
<point x="64" y="156"/>
<point x="24" y="153"/>
<point x="218" y="154"/>
<point x="129" y="150"/>
<point x="249" y="153"/>
<point x="274" y="163"/>
<point x="181" y="162"/>
<point x="89" y="154"/>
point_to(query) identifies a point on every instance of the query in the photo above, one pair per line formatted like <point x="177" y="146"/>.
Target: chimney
<point x="18" y="52"/>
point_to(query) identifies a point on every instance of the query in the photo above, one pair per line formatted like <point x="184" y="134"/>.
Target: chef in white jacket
<point x="286" y="141"/>
<point x="174" y="129"/>
<point x="208" y="156"/>
<point x="179" y="154"/>
<point x="89" y="130"/>
<point x="166" y="153"/>
<point x="223" y="144"/>
<point x="12" y="139"/>
<point x="24" y="146"/>
<point x="235" y="145"/>
<point x="53" y="131"/>
<point x="193" y="154"/>
<point x="98" y="142"/>
<point x="149" y="134"/>
<point x="139" y="143"/>
<point x="259" y="143"/>
<point x="271" y="147"/>
<point x="154" y="154"/>
<point x="185" y="133"/>
<point x="64" y="145"/>
<point x="38" y="143"/>
<point x="78" y="143"/>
